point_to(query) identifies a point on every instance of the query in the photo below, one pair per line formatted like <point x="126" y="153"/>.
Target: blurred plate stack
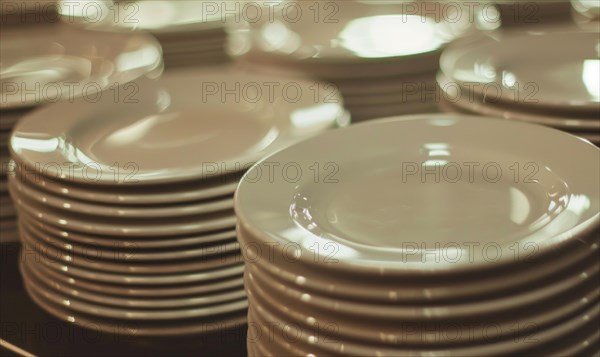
<point x="514" y="13"/>
<point x="28" y="12"/>
<point x="382" y="55"/>
<point x="42" y="65"/>
<point x="520" y="76"/>
<point x="191" y="32"/>
<point x="423" y="242"/>
<point x="126" y="207"/>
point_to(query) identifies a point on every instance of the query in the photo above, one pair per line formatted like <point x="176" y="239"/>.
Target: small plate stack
<point x="438" y="235"/>
<point x="191" y="32"/>
<point x="126" y="207"/>
<point x="42" y="65"/>
<point x="381" y="55"/>
<point x="520" y="76"/>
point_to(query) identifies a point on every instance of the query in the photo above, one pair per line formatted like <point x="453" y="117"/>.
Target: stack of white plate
<point x="520" y="76"/>
<point x="191" y="32"/>
<point x="126" y="207"/>
<point x="42" y="65"/>
<point x="431" y="235"/>
<point x="382" y="55"/>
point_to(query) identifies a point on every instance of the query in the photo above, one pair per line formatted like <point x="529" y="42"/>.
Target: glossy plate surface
<point x="46" y="65"/>
<point x="190" y="124"/>
<point x="404" y="202"/>
<point x="554" y="68"/>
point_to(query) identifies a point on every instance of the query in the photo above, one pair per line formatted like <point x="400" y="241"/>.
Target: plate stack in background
<point x="126" y="207"/>
<point x="421" y="241"/>
<point x="191" y="32"/>
<point x="514" y="13"/>
<point x="381" y="55"/>
<point x="43" y="65"/>
<point x="531" y="82"/>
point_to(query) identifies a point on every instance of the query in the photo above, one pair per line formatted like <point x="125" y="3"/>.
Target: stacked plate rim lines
<point x="34" y="74"/>
<point x="191" y="33"/>
<point x="521" y="88"/>
<point x="385" y="271"/>
<point x="156" y="250"/>
<point x="370" y="51"/>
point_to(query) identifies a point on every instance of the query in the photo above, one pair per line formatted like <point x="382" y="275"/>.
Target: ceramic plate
<point x="128" y="243"/>
<point x="167" y="292"/>
<point x="138" y="227"/>
<point x="461" y="98"/>
<point x="314" y="310"/>
<point x="46" y="281"/>
<point x="533" y="69"/>
<point x="118" y="327"/>
<point x="151" y="195"/>
<point x="63" y="63"/>
<point x="131" y="280"/>
<point x="380" y="208"/>
<point x="306" y="343"/>
<point x="78" y="207"/>
<point x="176" y="130"/>
<point x="359" y="31"/>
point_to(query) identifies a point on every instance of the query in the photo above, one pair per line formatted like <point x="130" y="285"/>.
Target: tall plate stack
<point x="381" y="55"/>
<point x="437" y="235"/>
<point x="191" y="32"/>
<point x="520" y="76"/>
<point x="42" y="65"/>
<point x="126" y="207"/>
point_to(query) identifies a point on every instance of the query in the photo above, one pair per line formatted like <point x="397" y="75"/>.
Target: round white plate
<point x="317" y="341"/>
<point x="45" y="65"/>
<point x="144" y="196"/>
<point x="461" y="98"/>
<point x="380" y="208"/>
<point x="170" y="292"/>
<point x="542" y="306"/>
<point x="119" y="327"/>
<point x="69" y="205"/>
<point x="410" y="292"/>
<point x="525" y="68"/>
<point x="138" y="227"/>
<point x="358" y="31"/>
<point x="176" y="130"/>
<point x="131" y="280"/>
<point x="130" y="255"/>
<point x="46" y="281"/>
<point x="127" y="243"/>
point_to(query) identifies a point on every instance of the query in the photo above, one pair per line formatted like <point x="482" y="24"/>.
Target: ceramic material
<point x="380" y="254"/>
<point x="368" y="49"/>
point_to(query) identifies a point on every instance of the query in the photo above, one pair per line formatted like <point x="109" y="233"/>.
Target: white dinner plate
<point x="181" y="127"/>
<point x="521" y="65"/>
<point x="118" y="327"/>
<point x="142" y="196"/>
<point x="138" y="227"/>
<point x="131" y="280"/>
<point x="46" y="281"/>
<point x="454" y="95"/>
<point x="380" y="208"/>
<point x="45" y="65"/>
<point x="128" y="243"/>
<point x="167" y="291"/>
<point x="79" y="207"/>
